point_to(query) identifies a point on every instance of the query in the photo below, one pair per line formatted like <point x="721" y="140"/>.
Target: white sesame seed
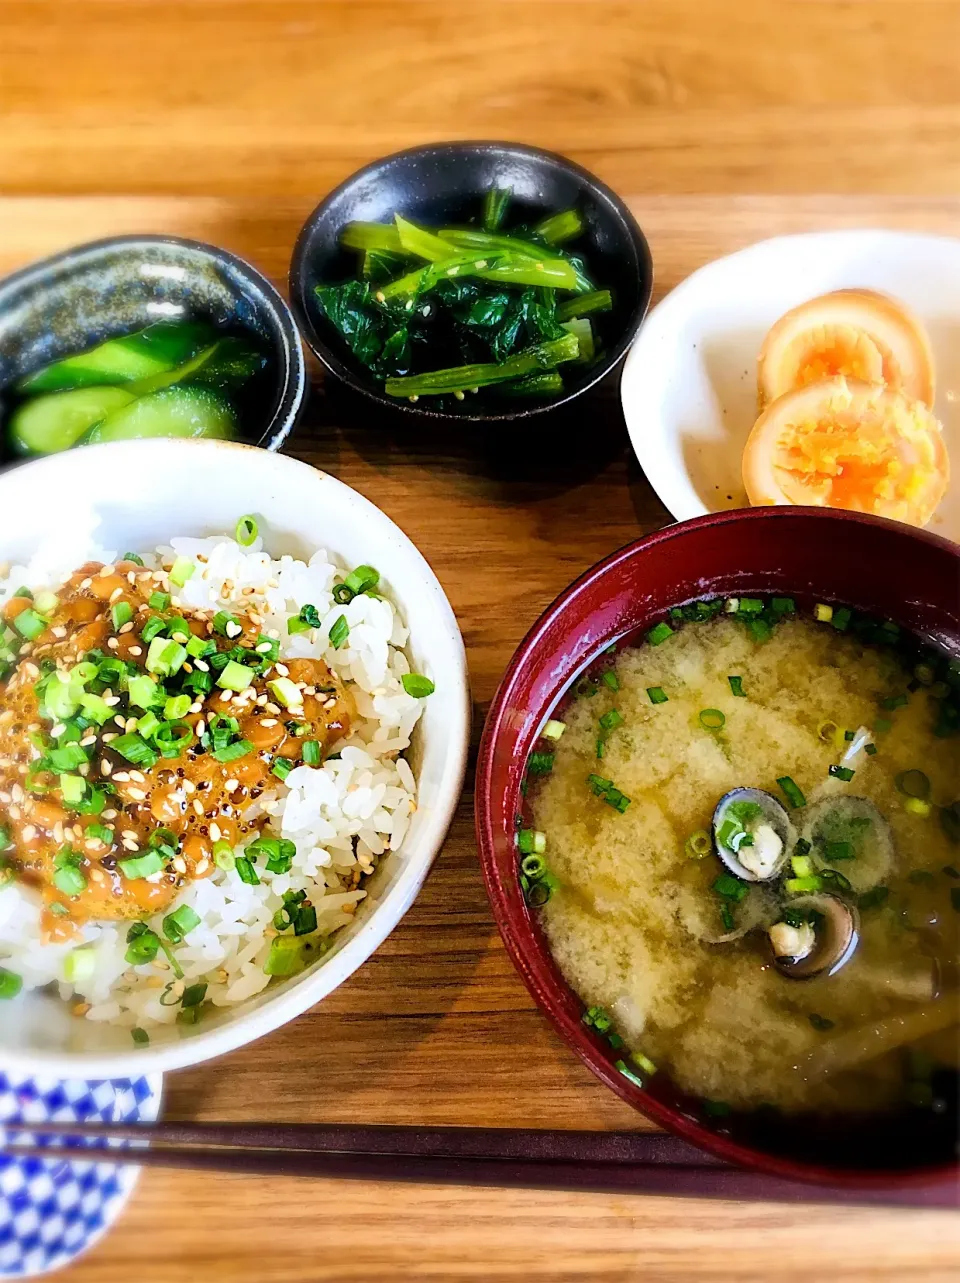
<point x="202" y="665"/>
<point x="127" y="627"/>
<point x="129" y="844"/>
<point x="138" y="776"/>
<point x="138" y="795"/>
<point x="88" y="740"/>
<point x="105" y="766"/>
<point x="180" y="864"/>
<point x="232" y="785"/>
<point x="268" y="721"/>
<point x="136" y="650"/>
<point x="282" y="669"/>
<point x="198" y="806"/>
<point x="122" y="777"/>
<point x="112" y="643"/>
<point x="110" y="814"/>
<point x="29" y="832"/>
<point x="115" y="595"/>
<point x="59" y="631"/>
<point x="215" y="832"/>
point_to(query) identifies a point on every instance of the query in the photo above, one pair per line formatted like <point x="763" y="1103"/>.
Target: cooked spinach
<point x="447" y="311"/>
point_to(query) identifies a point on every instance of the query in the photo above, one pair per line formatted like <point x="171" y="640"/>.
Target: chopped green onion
<point x="870" y="749"/>
<point x="659" y="634"/>
<point x="143" y="691"/>
<point x="413" y="683"/>
<point x="540" y="763"/>
<point x="141" y="866"/>
<point x="29" y="624"/>
<point x="611" y="720"/>
<point x="246" y="872"/>
<point x="553" y="730"/>
<point x="749" y="606"/>
<point x="236" y="677"/>
<point x="165" y="657"/>
<point x="913" y="784"/>
<point x="736" y="686"/>
<point x="311" y="752"/>
<point x="820" y="1023"/>
<point x="175" y="707"/>
<point x="657" y="695"/>
<point x="182" y="570"/>
<point x="281" y="768"/>
<point x="180" y="923"/>
<point x="158" y="600"/>
<point x="730" y="888"/>
<point x="10" y="983"/>
<point x="711" y="719"/>
<point x="759" y="630"/>
<point x="917" y="806"/>
<point x="286" y="692"/>
<point x="139" y="1036"/>
<point x="698" y="844"/>
<point x="69" y="880"/>
<point x="285" y="957"/>
<point x="362" y="579"/>
<point x="339" y="632"/>
<point x="531" y="841"/>
<point x="841" y="773"/>
<point x="783" y="605"/>
<point x="533" y="866"/>
<point x="628" y="1073"/>
<point x="134" y="557"/>
<point x="222" y="619"/>
<point x="231" y="752"/>
<point x="597" y="1018"/>
<point x="791" y="792"/>
<point x="147" y="724"/>
<point x="193" y="995"/>
<point x="823" y="612"/>
<point x="135" y="749"/>
<point x="72" y="787"/>
<point x="121" y="612"/>
<point x="152" y="628"/>
<point x="67" y="758"/>
<point x="246" y="531"/>
<point x="800" y="886"/>
<point x="223" y="856"/>
<point x="79" y="965"/>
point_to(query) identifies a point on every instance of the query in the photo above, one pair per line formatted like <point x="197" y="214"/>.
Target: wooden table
<point x="226" y="121"/>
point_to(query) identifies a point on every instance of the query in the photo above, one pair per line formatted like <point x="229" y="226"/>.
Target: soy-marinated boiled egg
<point x="848" y="444"/>
<point x="860" y="334"/>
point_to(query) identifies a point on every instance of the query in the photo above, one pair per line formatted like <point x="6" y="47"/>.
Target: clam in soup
<point x="742" y="840"/>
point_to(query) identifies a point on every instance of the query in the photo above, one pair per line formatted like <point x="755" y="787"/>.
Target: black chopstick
<point x="637" y="1162"/>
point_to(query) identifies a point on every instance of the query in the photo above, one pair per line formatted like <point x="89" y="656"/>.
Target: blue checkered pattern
<point x="50" y="1212"/>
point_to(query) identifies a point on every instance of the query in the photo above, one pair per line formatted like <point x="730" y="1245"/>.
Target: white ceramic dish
<point x="689" y="384"/>
<point x="153" y="490"/>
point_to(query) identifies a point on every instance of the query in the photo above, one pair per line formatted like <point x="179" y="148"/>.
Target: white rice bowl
<point x="342" y="816"/>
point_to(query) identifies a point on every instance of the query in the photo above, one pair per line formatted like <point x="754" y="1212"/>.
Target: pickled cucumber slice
<point x="56" y="422"/>
<point x="149" y="352"/>
<point x="171" y="412"/>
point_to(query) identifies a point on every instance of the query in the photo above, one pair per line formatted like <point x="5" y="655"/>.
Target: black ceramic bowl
<point x="446" y="183"/>
<point x="76" y="299"/>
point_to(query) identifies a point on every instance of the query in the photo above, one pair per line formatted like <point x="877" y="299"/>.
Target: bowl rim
<point x="291" y="381"/>
<point x="516" y="931"/>
<point x="332" y="362"/>
<point x="293" y="1001"/>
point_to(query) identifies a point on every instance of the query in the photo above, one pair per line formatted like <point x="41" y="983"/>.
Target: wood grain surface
<point x="227" y="120"/>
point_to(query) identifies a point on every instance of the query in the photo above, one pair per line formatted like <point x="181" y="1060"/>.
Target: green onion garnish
<point x="711" y="719"/>
<point x="246" y="872"/>
<point x="759" y="630"/>
<point x="698" y="844"/>
<point x="220" y="621"/>
<point x="531" y="841"/>
<point x="657" y="695"/>
<point x="870" y="749"/>
<point x="791" y="792"/>
<point x="362" y="580"/>
<point x="339" y="632"/>
<point x="783" y="605"/>
<point x="285" y="957"/>
<point x="610" y="678"/>
<point x="231" y="752"/>
<point x="223" y="856"/>
<point x="838" y="851"/>
<point x="69" y="880"/>
<point x="139" y="1036"/>
<point x="135" y="749"/>
<point x="29" y="624"/>
<point x="413" y="683"/>
<point x="121" y="612"/>
<point x="180" y="923"/>
<point x="749" y="606"/>
<point x="165" y="657"/>
<point x="246" y="531"/>
<point x="175" y="707"/>
<point x="533" y="866"/>
<point x="281" y="768"/>
<point x="152" y="628"/>
<point x="311" y="752"/>
<point x="540" y="763"/>
<point x="800" y="886"/>
<point x="553" y="730"/>
<point x="841" y="773"/>
<point x="72" y="788"/>
<point x="913" y="784"/>
<point x="10" y="983"/>
<point x="611" y="720"/>
<point x="182" y="570"/>
<point x="141" y="866"/>
<point x="659" y="634"/>
<point x="736" y="686"/>
<point x="235" y="677"/>
<point x="158" y="600"/>
<point x="134" y="557"/>
<point x="730" y="888"/>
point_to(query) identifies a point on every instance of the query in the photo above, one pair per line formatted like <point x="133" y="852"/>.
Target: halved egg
<point x="857" y="333"/>
<point x="848" y="444"/>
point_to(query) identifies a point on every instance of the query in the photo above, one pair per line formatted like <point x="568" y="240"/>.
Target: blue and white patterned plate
<point x="50" y="1212"/>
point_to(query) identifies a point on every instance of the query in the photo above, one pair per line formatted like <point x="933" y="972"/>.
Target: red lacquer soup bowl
<point x="876" y="566"/>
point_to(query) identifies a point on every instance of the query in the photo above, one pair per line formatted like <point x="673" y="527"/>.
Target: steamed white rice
<point x="342" y="816"/>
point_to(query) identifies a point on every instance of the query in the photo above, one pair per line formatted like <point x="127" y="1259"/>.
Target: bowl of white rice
<point x="359" y="824"/>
